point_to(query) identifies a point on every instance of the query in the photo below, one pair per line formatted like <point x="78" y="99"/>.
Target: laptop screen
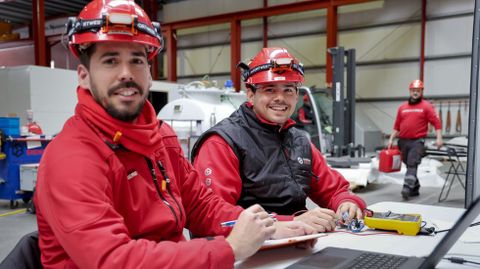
<point x="452" y="236"/>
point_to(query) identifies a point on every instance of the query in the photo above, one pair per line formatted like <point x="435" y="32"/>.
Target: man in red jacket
<point x="411" y="126"/>
<point x="257" y="156"/>
<point x="114" y="189"/>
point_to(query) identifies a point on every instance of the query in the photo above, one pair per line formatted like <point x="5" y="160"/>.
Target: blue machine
<point x="17" y="153"/>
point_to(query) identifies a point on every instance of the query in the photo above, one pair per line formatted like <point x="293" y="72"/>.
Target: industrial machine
<point x="17" y="153"/>
<point x="202" y="105"/>
<point x="335" y="128"/>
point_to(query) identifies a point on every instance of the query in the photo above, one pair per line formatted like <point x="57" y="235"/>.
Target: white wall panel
<point x="449" y="7"/>
<point x="386" y="12"/>
<point x="384" y="42"/>
<point x="383" y="81"/>
<point x="448" y="77"/>
<point x="202" y="8"/>
<point x="449" y="36"/>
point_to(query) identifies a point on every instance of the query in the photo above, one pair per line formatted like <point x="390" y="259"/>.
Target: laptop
<point x="333" y="257"/>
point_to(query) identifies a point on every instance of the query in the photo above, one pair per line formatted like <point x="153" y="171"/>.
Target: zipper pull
<point x="164" y="185"/>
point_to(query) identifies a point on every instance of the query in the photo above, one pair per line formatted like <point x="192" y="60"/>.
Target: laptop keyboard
<point x="377" y="260"/>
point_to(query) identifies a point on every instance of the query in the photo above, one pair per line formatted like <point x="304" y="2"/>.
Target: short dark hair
<point x="86" y="54"/>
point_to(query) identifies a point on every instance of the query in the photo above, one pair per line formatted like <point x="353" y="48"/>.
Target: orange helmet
<point x="113" y="20"/>
<point x="272" y="65"/>
<point x="416" y="84"/>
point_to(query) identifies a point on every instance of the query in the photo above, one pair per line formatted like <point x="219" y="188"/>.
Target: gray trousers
<point x="412" y="152"/>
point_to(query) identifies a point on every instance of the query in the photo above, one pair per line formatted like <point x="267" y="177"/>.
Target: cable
<point x="460" y="260"/>
<point x="446" y="230"/>
<point x="365" y="234"/>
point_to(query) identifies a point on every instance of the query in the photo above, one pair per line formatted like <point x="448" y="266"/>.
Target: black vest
<point x="275" y="164"/>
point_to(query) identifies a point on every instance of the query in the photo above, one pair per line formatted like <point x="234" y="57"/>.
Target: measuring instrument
<point x="408" y="224"/>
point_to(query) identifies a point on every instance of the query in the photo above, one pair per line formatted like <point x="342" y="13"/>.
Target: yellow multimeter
<point x="408" y="224"/>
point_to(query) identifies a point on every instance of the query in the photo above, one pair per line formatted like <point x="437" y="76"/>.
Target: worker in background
<point x="257" y="156"/>
<point x="411" y="126"/>
<point x="114" y="189"/>
<point x="305" y="112"/>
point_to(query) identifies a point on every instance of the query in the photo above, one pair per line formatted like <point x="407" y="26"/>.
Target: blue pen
<point x="232" y="222"/>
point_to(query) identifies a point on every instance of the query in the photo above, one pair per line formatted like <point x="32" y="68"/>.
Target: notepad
<point x="278" y="243"/>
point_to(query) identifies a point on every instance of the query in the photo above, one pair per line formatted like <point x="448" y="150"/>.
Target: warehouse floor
<point x="16" y="222"/>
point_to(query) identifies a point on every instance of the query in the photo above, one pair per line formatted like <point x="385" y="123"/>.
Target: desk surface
<point x="443" y="217"/>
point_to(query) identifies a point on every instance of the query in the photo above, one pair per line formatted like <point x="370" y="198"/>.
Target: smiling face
<point x="118" y="78"/>
<point x="274" y="102"/>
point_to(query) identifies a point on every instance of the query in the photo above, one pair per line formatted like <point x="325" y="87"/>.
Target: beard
<point x="413" y="101"/>
<point x="123" y="115"/>
<point x="126" y="116"/>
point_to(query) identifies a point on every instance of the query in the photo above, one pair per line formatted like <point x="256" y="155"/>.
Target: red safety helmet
<point x="113" y="20"/>
<point x="306" y="98"/>
<point x="272" y="65"/>
<point x="416" y="84"/>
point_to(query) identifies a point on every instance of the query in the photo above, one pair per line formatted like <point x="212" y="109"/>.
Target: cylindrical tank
<point x="199" y="109"/>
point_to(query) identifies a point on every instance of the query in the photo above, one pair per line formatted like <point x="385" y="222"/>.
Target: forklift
<point x="330" y="122"/>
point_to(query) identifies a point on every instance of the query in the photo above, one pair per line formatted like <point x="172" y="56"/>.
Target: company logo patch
<point x="305" y="161"/>
<point x="208" y="171"/>
<point x="279" y="78"/>
<point x="132" y="174"/>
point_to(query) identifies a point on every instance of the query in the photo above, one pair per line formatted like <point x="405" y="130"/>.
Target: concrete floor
<point x="14" y="223"/>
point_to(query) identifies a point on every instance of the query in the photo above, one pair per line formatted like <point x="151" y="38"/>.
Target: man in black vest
<point x="257" y="156"/>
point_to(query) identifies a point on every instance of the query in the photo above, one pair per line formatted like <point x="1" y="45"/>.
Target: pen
<point x="230" y="223"/>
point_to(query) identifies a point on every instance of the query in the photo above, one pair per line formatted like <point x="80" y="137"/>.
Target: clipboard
<point x="290" y="241"/>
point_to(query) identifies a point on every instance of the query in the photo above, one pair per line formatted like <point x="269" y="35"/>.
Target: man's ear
<point x="83" y="76"/>
<point x="250" y="95"/>
<point x="150" y="79"/>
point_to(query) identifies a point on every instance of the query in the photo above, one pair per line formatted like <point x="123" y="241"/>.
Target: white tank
<point x="200" y="107"/>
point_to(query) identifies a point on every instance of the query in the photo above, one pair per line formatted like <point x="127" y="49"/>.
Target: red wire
<point x="365" y="234"/>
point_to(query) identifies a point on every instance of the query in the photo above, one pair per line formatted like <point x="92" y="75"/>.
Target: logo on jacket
<point x="132" y="174"/>
<point x="305" y="161"/>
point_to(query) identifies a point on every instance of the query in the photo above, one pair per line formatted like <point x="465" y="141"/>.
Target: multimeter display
<point x="395" y="216"/>
<point x="408" y="224"/>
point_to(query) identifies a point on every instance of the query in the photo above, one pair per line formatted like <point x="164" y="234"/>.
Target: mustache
<point x="128" y="84"/>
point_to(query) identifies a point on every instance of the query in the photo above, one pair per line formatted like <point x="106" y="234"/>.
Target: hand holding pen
<point x="251" y="229"/>
<point x="231" y="223"/>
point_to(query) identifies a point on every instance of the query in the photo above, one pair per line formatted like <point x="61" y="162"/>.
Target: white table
<point x="419" y="246"/>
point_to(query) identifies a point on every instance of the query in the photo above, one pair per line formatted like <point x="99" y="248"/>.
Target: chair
<point x="455" y="170"/>
<point x="25" y="255"/>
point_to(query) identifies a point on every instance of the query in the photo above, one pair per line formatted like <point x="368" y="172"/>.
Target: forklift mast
<point x="343" y="102"/>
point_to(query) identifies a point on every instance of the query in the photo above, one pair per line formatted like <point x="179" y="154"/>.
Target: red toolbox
<point x="390" y="160"/>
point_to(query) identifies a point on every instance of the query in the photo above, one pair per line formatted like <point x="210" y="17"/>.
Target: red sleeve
<point x="301" y="116"/>
<point x="76" y="203"/>
<point x="218" y="169"/>
<point x="433" y="117"/>
<point x="396" y="125"/>
<point x="329" y="188"/>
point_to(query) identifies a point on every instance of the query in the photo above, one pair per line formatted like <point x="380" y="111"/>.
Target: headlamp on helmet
<point x="122" y="21"/>
<point x="119" y="23"/>
<point x="272" y="65"/>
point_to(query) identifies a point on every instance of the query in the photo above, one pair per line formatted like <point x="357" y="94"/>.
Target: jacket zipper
<point x="299" y="188"/>
<point x="167" y="179"/>
<point x="157" y="187"/>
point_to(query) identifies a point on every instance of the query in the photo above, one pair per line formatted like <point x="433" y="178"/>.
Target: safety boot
<point x="410" y="187"/>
